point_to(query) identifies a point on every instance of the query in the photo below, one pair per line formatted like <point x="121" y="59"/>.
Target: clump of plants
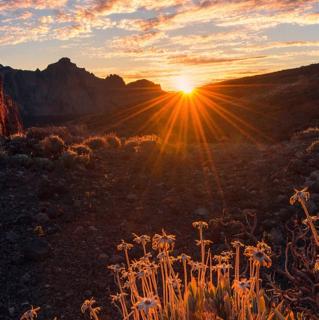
<point x="215" y="287"/>
<point x="113" y="141"/>
<point x="52" y="146"/>
<point x="146" y="143"/>
<point x="301" y="268"/>
<point x="78" y="154"/>
<point x="81" y="149"/>
<point x="96" y="142"/>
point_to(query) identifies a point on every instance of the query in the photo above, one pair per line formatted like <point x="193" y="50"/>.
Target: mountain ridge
<point x="63" y="88"/>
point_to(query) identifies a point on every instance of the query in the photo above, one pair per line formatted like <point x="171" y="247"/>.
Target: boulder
<point x="10" y="120"/>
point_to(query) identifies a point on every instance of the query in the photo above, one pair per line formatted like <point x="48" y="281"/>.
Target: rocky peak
<point x="64" y="64"/>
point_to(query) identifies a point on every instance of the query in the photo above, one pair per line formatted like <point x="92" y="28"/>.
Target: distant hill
<point x="65" y="90"/>
<point x="277" y="103"/>
<point x="261" y="108"/>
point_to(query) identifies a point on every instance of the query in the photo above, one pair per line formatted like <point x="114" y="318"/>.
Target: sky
<point x="164" y="40"/>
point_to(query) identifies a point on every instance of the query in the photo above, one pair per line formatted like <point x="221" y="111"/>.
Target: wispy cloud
<point x="194" y="60"/>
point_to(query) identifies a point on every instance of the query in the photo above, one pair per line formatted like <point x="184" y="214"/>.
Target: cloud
<point x="35" y="4"/>
<point x="196" y="60"/>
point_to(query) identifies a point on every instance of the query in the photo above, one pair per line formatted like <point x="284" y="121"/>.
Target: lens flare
<point x="184" y="85"/>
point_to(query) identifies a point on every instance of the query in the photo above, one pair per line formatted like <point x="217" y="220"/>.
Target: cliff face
<point x="64" y="89"/>
<point x="10" y="121"/>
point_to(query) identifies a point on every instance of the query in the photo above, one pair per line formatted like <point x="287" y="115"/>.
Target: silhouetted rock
<point x="143" y="84"/>
<point x="63" y="90"/>
<point x="10" y="121"/>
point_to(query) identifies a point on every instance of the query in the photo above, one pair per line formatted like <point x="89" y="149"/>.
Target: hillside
<point x="64" y="90"/>
<point x="262" y="108"/>
<point x="259" y="108"/>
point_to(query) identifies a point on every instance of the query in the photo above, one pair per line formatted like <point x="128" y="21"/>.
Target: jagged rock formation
<point x="63" y="89"/>
<point x="10" y="121"/>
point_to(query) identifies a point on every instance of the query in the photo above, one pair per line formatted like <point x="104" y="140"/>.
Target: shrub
<point x="52" y="146"/>
<point x="17" y="144"/>
<point x="81" y="149"/>
<point x="146" y="143"/>
<point x="95" y="143"/>
<point x="113" y="141"/>
<point x="68" y="158"/>
<point x="314" y="147"/>
<point x="79" y="154"/>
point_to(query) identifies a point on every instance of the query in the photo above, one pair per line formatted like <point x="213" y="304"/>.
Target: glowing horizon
<point x="161" y="40"/>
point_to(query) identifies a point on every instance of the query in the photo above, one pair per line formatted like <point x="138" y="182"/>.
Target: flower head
<point x="116" y="268"/>
<point x="241" y="286"/>
<point x="259" y="254"/>
<point x="124" y="246"/>
<point x="147" y="304"/>
<point x="237" y="244"/>
<point x="163" y="241"/>
<point x="87" y="306"/>
<point x="300" y="196"/>
<point x="142" y="239"/>
<point x="200" y="225"/>
<point x="183" y="257"/>
<point x="311" y="218"/>
<point x="117" y="297"/>
<point x="30" y="314"/>
<point x="203" y="242"/>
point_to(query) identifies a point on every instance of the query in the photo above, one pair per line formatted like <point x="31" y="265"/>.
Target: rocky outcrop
<point x="63" y="89"/>
<point x="10" y="121"/>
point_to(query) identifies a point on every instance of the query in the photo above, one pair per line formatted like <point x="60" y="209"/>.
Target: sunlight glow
<point x="184" y="85"/>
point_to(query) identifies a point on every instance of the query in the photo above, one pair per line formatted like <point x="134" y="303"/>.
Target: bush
<point x="146" y="143"/>
<point x="95" y="143"/>
<point x="68" y="158"/>
<point x="113" y="141"/>
<point x="52" y="146"/>
<point x="17" y="144"/>
<point x="71" y="159"/>
<point x="314" y="147"/>
<point x="81" y="149"/>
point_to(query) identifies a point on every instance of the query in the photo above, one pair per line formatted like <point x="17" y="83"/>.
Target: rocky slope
<point x="276" y="104"/>
<point x="63" y="89"/>
<point x="10" y="121"/>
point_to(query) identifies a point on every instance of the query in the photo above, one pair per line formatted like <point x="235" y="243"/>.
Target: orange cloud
<point x="35" y="4"/>
<point x="195" y="60"/>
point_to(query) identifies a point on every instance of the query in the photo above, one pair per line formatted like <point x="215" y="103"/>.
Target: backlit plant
<point x="152" y="288"/>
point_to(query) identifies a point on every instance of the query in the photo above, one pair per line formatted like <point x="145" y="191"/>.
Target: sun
<point x="184" y="85"/>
